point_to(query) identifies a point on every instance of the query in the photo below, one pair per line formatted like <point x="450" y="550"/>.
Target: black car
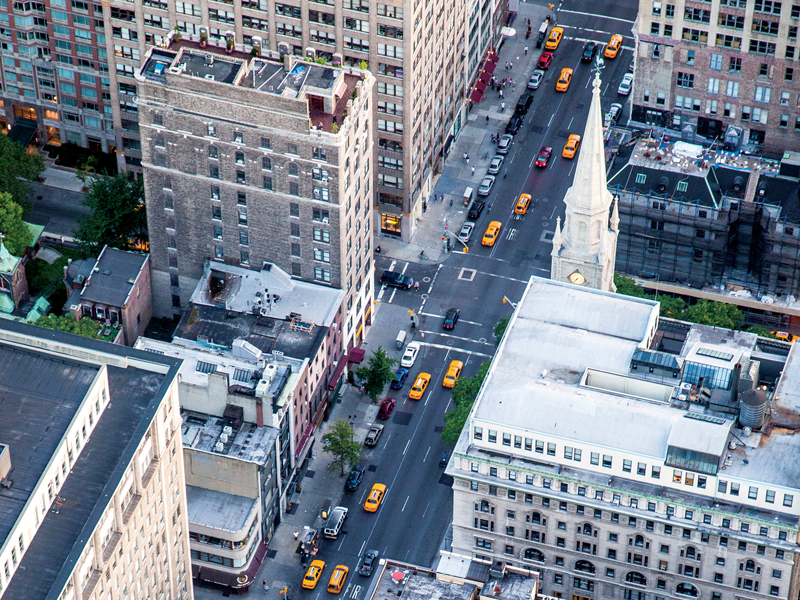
<point x="514" y="124"/>
<point x="401" y="373"/>
<point x="476" y="209"/>
<point x="589" y="50"/>
<point x="368" y="562"/>
<point x="523" y="104"/>
<point x="355" y="477"/>
<point x="394" y="279"/>
<point x="451" y="318"/>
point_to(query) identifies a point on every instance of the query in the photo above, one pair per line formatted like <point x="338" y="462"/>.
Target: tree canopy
<point x="17" y="236"/>
<point x="464" y="393"/>
<point x="17" y="168"/>
<point x="340" y="444"/>
<point x="84" y="327"/>
<point x="118" y="217"/>
<point x="499" y="330"/>
<point x="375" y="375"/>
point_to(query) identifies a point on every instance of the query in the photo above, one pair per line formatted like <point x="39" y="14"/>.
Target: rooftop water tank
<point x="752" y="408"/>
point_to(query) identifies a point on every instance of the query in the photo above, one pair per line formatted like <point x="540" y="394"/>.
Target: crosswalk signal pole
<point x="413" y="319"/>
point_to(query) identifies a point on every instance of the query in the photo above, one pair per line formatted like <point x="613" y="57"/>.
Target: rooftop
<point x="113" y="276"/>
<point x="248" y="442"/>
<point x="218" y="510"/>
<point x="416" y="583"/>
<point x="39" y="395"/>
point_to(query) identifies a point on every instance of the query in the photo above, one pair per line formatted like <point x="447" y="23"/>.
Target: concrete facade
<point x="618" y="468"/>
<point x="723" y="70"/>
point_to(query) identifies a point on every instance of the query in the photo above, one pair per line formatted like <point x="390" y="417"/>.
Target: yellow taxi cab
<point x="562" y="85"/>
<point x="375" y="497"/>
<point x="423" y="379"/>
<point x="453" y="372"/>
<point x="313" y="574"/>
<point x="522" y="204"/>
<point x="490" y="237"/>
<point x="571" y="148"/>
<point x="784" y="335"/>
<point x="554" y="39"/>
<point x="613" y="46"/>
<point x="337" y="579"/>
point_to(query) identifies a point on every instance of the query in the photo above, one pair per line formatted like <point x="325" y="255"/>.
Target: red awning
<point x="489" y="66"/>
<point x="356" y="355"/>
<point x="337" y="373"/>
<point x="486" y="77"/>
<point x="476" y="96"/>
<point x="480" y="86"/>
<point x="493" y="57"/>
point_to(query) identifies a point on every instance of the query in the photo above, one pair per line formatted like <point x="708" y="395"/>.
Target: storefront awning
<point x="476" y="96"/>
<point x="494" y="57"/>
<point x="480" y="86"/>
<point x="489" y="66"/>
<point x="356" y="355"/>
<point x="23" y="131"/>
<point x="337" y="373"/>
<point x="486" y="77"/>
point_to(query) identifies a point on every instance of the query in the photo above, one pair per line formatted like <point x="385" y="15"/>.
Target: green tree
<point x="84" y="327"/>
<point x="17" y="235"/>
<point x="464" y="393"/>
<point x="339" y="442"/>
<point x="17" y="168"/>
<point x="118" y="216"/>
<point x="377" y="373"/>
<point x="717" y="314"/>
<point x="499" y="330"/>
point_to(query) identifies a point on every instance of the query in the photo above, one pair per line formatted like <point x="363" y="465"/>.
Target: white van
<point x="334" y="523"/>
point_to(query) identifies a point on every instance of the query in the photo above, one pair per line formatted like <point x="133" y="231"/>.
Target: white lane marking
<point x="340" y="545"/>
<point x="394" y="290"/>
<point x="386" y="442"/>
<point x="426" y="454"/>
<point x="455" y="337"/>
<point x="404" y="504"/>
<point x="572" y="166"/>
<point x="459" y="320"/>
<point x="499" y="276"/>
<point x="408" y="443"/>
<point x="446" y="408"/>
<point x="426" y="509"/>
<point x="585" y="14"/>
<point x="570" y="122"/>
<point x="461" y="350"/>
<point x="551" y="119"/>
<point x="364" y="543"/>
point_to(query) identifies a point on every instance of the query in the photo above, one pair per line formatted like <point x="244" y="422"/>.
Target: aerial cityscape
<point x="445" y="299"/>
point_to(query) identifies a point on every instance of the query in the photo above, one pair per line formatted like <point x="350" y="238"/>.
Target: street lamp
<point x="507" y="301"/>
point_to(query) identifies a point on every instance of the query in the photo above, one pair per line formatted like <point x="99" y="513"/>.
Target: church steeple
<point x="584" y="251"/>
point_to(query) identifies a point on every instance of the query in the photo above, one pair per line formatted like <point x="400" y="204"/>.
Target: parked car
<point x="504" y="145"/>
<point x="631" y="66"/>
<point x="496" y="164"/>
<point x="419" y="387"/>
<point x="451" y="318"/>
<point x="562" y="85"/>
<point x="544" y="61"/>
<point x="373" y="435"/>
<point x="395" y="279"/>
<point x="313" y="574"/>
<point x="536" y="79"/>
<point x="354" y="479"/>
<point x="571" y="146"/>
<point x="612" y="116"/>
<point x="613" y="46"/>
<point x="375" y="497"/>
<point x="386" y="409"/>
<point x="466" y="232"/>
<point x="410" y="355"/>
<point x="625" y="85"/>
<point x="476" y="209"/>
<point x="589" y="50"/>
<point x="543" y="156"/>
<point x="400" y="379"/>
<point x="368" y="562"/>
<point x="523" y="104"/>
<point x="514" y="124"/>
<point x="486" y="185"/>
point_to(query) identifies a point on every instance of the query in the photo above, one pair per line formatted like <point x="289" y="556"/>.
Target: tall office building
<point x="626" y="457"/>
<point x="92" y="488"/>
<point x="250" y="161"/>
<point x="721" y="70"/>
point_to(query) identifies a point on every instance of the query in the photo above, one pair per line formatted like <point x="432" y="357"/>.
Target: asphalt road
<point x="58" y="210"/>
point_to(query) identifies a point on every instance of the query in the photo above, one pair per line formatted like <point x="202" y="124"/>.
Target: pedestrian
<point x="506" y="64"/>
<point x="467" y="155"/>
<point x="487" y="119"/>
<point x="473" y="171"/>
<point x="466" y="158"/>
<point x="513" y="86"/>
<point x="510" y="65"/>
<point x="424" y="206"/>
<point x="505" y="172"/>
<point x="529" y="23"/>
<point x="528" y="34"/>
<point x="501" y="93"/>
<point x="502" y="106"/>
<point x="296" y="534"/>
<point x="266" y="587"/>
<point x="526" y="51"/>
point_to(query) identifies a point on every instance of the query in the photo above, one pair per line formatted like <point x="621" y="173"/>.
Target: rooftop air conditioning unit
<point x="227" y="430"/>
<point x="219" y="447"/>
<point x="209" y="76"/>
<point x="223" y="438"/>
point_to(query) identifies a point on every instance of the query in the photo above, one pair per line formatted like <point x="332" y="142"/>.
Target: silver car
<point x="625" y="85"/>
<point x="504" y="145"/>
<point x="466" y="232"/>
<point x="536" y="79"/>
<point x="612" y="116"/>
<point x="486" y="186"/>
<point x="496" y="164"/>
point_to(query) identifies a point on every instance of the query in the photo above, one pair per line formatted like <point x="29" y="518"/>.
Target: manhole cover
<point x="545" y="224"/>
<point x="426" y="279"/>
<point x="482" y="340"/>
<point x="402" y="418"/>
<point x="272" y="553"/>
<point x="424" y="296"/>
<point x="450" y="342"/>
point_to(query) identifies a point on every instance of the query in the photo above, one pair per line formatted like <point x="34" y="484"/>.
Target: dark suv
<point x="524" y="104"/>
<point x="394" y="279"/>
<point x="475" y="210"/>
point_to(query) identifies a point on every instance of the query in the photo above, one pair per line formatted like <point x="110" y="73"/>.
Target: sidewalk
<point x="474" y="141"/>
<point x="281" y="566"/>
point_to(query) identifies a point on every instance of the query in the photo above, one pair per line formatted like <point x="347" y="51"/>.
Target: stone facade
<point x="703" y="68"/>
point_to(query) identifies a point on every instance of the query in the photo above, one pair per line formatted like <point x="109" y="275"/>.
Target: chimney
<point x="259" y="412"/>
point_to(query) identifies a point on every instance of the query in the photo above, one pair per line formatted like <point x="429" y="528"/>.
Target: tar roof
<point x="249" y="443"/>
<point x="218" y="510"/>
<point x="113" y="276"/>
<point x="419" y="584"/>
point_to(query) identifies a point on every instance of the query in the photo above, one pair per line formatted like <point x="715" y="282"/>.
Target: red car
<point x="545" y="60"/>
<point x="544" y="156"/>
<point x="387" y="407"/>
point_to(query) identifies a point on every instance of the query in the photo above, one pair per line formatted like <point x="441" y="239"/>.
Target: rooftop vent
<point x="209" y="76"/>
<point x="663" y="184"/>
<point x="738" y="184"/>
